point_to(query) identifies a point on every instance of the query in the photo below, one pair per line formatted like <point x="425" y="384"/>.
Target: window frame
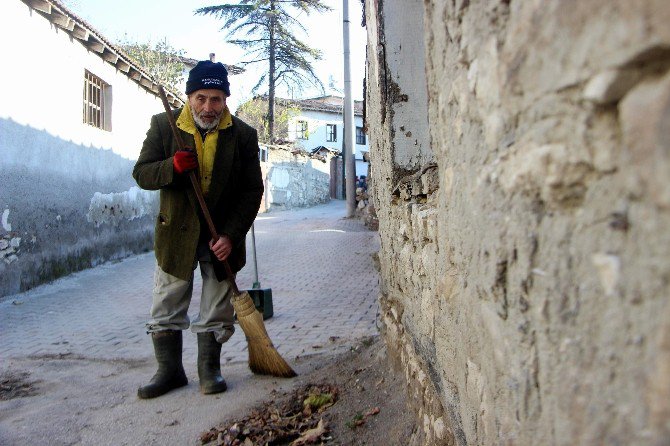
<point x="360" y="133"/>
<point x="96" y="102"/>
<point x="263" y="154"/>
<point x="331" y="132"/>
<point x="301" y="129"/>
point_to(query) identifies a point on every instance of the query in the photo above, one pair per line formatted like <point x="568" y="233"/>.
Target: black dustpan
<point x="262" y="297"/>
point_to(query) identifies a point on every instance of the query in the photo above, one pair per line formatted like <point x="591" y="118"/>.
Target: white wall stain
<point x="5" y="223"/>
<point x="114" y="207"/>
<point x="280" y="177"/>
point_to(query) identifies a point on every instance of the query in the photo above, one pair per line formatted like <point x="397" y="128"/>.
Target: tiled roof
<point x="329" y="104"/>
<point x="58" y="14"/>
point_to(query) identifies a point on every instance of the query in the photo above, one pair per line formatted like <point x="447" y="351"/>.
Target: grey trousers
<point x="172" y="297"/>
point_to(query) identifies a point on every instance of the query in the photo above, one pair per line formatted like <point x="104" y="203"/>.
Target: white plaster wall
<point x="67" y="195"/>
<point x="405" y="58"/>
<point x="42" y="86"/>
<point x="319" y="165"/>
<point x="317" y="127"/>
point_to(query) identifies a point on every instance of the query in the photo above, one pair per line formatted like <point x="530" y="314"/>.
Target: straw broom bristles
<point x="264" y="359"/>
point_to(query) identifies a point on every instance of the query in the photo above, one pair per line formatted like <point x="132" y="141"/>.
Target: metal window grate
<point x="94" y="100"/>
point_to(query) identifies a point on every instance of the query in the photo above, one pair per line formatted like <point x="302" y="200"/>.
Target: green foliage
<point x="255" y="112"/>
<point x="356" y="421"/>
<point x="161" y="60"/>
<point x="317" y="401"/>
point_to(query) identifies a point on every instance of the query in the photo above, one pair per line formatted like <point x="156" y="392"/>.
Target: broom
<point x="264" y="359"/>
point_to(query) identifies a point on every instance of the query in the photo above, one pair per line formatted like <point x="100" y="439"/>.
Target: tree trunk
<point x="271" y="77"/>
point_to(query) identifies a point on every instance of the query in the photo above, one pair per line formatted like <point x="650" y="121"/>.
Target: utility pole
<point x="349" y="160"/>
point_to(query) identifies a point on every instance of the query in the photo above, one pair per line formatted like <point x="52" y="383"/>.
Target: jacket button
<point x="183" y="228"/>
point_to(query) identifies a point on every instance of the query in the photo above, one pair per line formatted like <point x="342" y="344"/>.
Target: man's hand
<point x="184" y="160"/>
<point x="221" y="247"/>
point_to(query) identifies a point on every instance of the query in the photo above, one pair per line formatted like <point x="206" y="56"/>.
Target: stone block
<point x="430" y="181"/>
<point x="608" y="87"/>
<point x="552" y="171"/>
<point x="609" y="270"/>
<point x="645" y="123"/>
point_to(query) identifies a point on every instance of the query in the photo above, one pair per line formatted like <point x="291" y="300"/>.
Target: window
<point x="360" y="136"/>
<point x="331" y="132"/>
<point x="97" y="102"/>
<point x="263" y="154"/>
<point x="301" y="130"/>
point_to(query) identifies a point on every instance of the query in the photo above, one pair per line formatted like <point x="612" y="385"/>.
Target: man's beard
<point x="206" y="125"/>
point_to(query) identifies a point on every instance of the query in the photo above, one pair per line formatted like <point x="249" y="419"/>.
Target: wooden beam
<point x="147" y="83"/>
<point x="62" y="21"/>
<point x="80" y="33"/>
<point x="95" y="45"/>
<point x="110" y="57"/>
<point x="135" y="75"/>
<point x="40" y="5"/>
<point x="123" y="65"/>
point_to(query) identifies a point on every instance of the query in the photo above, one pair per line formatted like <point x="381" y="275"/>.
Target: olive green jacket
<point x="233" y="200"/>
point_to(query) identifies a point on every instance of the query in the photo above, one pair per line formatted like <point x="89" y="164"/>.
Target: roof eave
<point x="59" y="15"/>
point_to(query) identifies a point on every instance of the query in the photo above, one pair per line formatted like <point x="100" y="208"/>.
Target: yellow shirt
<point x="206" y="150"/>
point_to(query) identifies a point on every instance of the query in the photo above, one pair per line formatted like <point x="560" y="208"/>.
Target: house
<point x="320" y="123"/>
<point x="74" y="112"/>
<point x="311" y="123"/>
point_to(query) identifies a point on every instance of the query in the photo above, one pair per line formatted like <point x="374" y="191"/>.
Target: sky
<point x="154" y="20"/>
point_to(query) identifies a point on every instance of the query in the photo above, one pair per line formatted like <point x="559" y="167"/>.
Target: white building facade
<point x="74" y="113"/>
<point x="320" y="123"/>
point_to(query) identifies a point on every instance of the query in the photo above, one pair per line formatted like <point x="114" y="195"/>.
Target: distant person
<point x="226" y="159"/>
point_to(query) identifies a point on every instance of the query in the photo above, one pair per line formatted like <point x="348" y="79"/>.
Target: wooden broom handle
<point x="196" y="186"/>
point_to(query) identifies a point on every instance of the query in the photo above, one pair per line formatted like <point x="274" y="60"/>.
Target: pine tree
<point x="265" y="30"/>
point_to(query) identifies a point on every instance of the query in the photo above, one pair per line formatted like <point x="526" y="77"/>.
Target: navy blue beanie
<point x="208" y="75"/>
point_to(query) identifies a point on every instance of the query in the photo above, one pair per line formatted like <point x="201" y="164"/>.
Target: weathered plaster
<point x="526" y="291"/>
<point x="114" y="208"/>
<point x="47" y="207"/>
<point x="55" y="168"/>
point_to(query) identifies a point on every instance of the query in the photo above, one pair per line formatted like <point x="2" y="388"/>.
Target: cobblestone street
<point x="318" y="264"/>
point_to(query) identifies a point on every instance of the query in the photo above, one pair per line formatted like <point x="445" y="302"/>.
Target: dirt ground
<point x="369" y="407"/>
<point x="66" y="400"/>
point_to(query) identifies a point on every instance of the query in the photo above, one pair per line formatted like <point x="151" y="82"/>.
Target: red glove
<point x="184" y="160"/>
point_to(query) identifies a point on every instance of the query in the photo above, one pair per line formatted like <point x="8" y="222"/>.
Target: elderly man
<point x="226" y="158"/>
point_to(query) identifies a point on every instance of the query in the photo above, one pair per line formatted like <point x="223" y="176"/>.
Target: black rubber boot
<point x="209" y="364"/>
<point x="170" y="374"/>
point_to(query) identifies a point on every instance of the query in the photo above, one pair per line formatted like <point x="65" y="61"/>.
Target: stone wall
<point x="294" y="178"/>
<point x="524" y="241"/>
